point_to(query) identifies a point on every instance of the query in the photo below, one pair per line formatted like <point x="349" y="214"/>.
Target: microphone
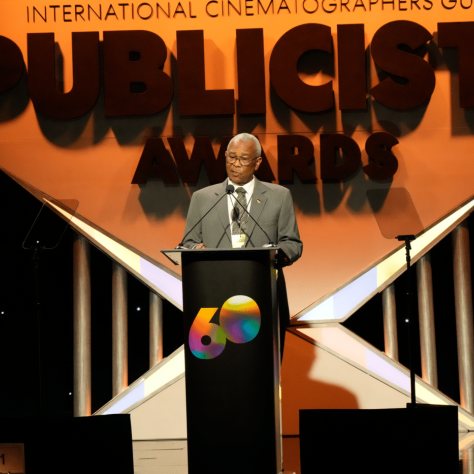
<point x="237" y="218"/>
<point x="270" y="243"/>
<point x="228" y="190"/>
<point x="235" y="214"/>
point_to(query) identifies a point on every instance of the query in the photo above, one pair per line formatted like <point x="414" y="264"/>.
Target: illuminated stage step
<point x="170" y="456"/>
<point x="160" y="457"/>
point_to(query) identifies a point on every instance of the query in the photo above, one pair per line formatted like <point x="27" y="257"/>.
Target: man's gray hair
<point x="247" y="137"/>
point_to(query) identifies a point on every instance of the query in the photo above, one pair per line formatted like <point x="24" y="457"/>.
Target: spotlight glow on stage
<point x="345" y="300"/>
<point x="353" y="349"/>
<point x="161" y="280"/>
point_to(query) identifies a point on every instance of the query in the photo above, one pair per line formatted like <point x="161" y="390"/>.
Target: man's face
<point x="238" y="173"/>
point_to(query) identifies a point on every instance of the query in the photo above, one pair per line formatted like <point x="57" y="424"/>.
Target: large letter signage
<point x="460" y="35"/>
<point x="418" y="73"/>
<point x="46" y="97"/>
<point x="284" y="71"/>
<point x="135" y="83"/>
<point x="11" y="64"/>
<point x="194" y="99"/>
<point x="133" y="59"/>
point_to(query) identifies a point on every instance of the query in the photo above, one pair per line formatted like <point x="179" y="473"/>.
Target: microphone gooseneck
<point x="228" y="190"/>
<point x="256" y="223"/>
<point x="235" y="214"/>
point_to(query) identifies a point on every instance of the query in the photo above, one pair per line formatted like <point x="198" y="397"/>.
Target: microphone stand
<point x="36" y="257"/>
<point x="228" y="190"/>
<point x="238" y="221"/>
<point x="270" y="243"/>
<point x="411" y="350"/>
<point x="40" y="238"/>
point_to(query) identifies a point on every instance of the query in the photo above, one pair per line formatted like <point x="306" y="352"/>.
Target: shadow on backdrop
<point x="300" y="387"/>
<point x="305" y="196"/>
<point x="352" y="119"/>
<point x="462" y="119"/>
<point x="15" y="101"/>
<point x="406" y="121"/>
<point x="334" y="193"/>
<point x="159" y="200"/>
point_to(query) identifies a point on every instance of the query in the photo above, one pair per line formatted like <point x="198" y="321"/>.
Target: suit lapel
<point x="259" y="199"/>
<point x="222" y="211"/>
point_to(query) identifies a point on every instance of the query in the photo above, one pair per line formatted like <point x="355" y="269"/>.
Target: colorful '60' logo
<point x="239" y="321"/>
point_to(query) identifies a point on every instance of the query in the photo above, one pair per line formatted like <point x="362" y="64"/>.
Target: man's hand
<point x="200" y="246"/>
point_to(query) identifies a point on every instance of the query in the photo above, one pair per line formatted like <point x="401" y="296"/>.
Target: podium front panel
<point x="232" y="362"/>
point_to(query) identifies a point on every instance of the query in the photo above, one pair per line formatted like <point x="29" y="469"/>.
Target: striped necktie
<point x="239" y="216"/>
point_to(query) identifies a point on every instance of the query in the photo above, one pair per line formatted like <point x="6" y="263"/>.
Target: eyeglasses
<point x="231" y="159"/>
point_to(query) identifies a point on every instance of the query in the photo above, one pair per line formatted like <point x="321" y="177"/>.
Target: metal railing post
<point x="82" y="326"/>
<point x="464" y="323"/>
<point x="390" y="322"/>
<point x="426" y="319"/>
<point x="156" y="329"/>
<point x="468" y="461"/>
<point x="119" y="330"/>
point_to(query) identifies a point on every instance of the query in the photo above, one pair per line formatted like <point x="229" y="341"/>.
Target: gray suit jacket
<point x="272" y="208"/>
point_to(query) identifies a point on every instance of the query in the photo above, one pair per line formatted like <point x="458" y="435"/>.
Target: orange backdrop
<point x="93" y="158"/>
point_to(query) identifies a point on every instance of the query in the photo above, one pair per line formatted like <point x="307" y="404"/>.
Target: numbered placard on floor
<point x="12" y="458"/>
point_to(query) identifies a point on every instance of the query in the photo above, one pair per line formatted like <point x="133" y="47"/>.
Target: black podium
<point x="232" y="360"/>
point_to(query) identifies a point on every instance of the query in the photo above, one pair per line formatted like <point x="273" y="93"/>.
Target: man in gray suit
<point x="228" y="225"/>
<point x="269" y="204"/>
